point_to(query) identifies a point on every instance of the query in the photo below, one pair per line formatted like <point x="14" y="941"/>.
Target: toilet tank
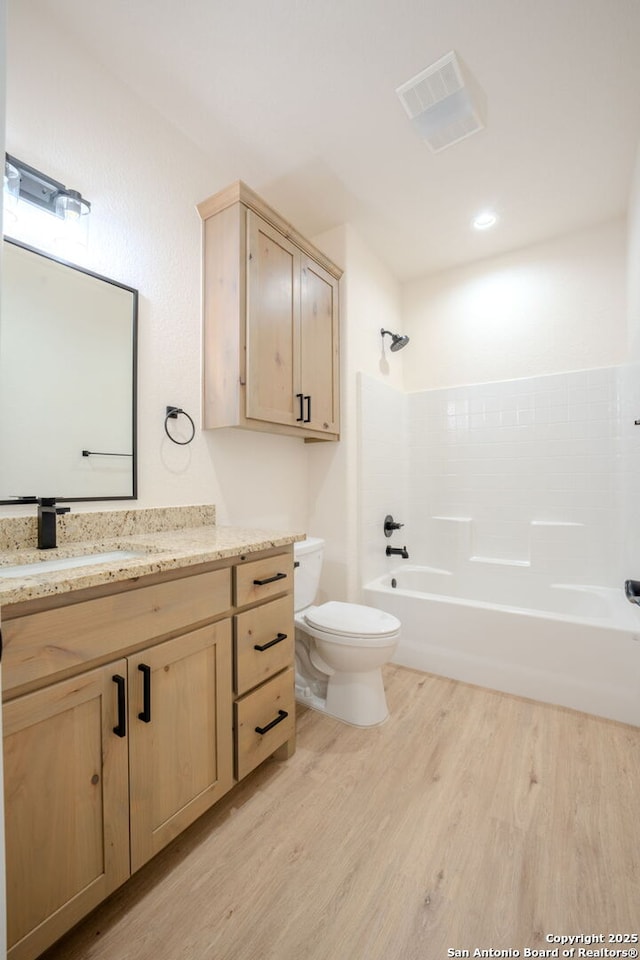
<point x="308" y="554"/>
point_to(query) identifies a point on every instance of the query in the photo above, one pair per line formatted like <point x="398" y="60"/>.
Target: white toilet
<point x="340" y="647"/>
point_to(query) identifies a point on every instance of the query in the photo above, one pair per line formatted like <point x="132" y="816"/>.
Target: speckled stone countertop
<point x="159" y="549"/>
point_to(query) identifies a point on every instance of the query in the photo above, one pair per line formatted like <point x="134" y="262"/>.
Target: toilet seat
<point x="351" y="623"/>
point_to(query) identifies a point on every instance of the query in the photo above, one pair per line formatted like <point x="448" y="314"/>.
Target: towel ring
<point x="172" y="414"/>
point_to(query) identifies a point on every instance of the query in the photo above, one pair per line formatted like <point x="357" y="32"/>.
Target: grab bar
<point x="632" y="590"/>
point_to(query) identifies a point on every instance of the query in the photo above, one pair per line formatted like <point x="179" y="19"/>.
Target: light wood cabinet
<point x="180" y="751"/>
<point x="66" y="807"/>
<point x="271" y="322"/>
<point x="264" y="709"/>
<point x="264" y="721"/>
<point x="121" y="726"/>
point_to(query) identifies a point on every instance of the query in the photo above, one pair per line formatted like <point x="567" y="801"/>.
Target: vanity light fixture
<point x="45" y="192"/>
<point x="485" y="220"/>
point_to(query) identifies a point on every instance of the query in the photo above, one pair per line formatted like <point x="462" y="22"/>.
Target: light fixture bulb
<point x="11" y="190"/>
<point x="71" y="205"/>
<point x="485" y="220"/>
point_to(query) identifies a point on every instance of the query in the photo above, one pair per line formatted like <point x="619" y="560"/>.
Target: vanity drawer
<point x="43" y="644"/>
<point x="269" y="627"/>
<point x="263" y="708"/>
<point x="262" y="579"/>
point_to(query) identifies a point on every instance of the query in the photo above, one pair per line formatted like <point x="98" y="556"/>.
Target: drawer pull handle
<point x="282" y="715"/>
<point x="145" y="716"/>
<point x="121" y="729"/>
<point x="300" y="398"/>
<point x="265" y="646"/>
<point x="278" y="576"/>
<point x="307" y="419"/>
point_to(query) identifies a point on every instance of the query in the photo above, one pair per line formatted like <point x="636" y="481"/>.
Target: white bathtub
<point x="578" y="646"/>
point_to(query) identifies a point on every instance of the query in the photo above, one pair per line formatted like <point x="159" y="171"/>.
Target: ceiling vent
<point x="444" y="103"/>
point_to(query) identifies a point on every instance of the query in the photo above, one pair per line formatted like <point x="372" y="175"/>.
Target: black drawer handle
<point x="299" y="397"/>
<point x="145" y="716"/>
<point x="278" y="576"/>
<point x="307" y="419"/>
<point x="265" y="646"/>
<point x="121" y="729"/>
<point x="282" y="715"/>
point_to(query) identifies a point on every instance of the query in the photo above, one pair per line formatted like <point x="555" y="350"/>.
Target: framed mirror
<point x="68" y="381"/>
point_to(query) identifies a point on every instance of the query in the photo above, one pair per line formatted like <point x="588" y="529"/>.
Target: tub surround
<point x="576" y="646"/>
<point x="168" y="538"/>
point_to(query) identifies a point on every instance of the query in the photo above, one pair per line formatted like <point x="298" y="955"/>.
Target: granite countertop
<point x="160" y="551"/>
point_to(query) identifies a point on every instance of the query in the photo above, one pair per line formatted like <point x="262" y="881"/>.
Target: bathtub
<point x="577" y="646"/>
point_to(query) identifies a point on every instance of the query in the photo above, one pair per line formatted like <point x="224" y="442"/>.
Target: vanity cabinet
<point x="66" y="807"/>
<point x="271" y="322"/>
<point x="264" y="707"/>
<point x="180" y="748"/>
<point x="121" y="725"/>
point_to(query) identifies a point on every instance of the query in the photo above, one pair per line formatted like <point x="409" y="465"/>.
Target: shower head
<point x="398" y="341"/>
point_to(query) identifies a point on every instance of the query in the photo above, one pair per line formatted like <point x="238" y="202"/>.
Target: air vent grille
<point x="440" y="103"/>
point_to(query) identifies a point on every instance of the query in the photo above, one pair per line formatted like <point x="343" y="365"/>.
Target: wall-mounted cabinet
<point x="271" y="322"/>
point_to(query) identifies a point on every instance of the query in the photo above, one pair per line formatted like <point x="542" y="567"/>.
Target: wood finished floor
<point x="471" y="819"/>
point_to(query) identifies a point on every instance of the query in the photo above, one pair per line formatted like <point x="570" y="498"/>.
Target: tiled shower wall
<point x="383" y="456"/>
<point x="521" y="477"/>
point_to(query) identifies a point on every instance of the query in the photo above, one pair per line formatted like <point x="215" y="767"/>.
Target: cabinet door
<point x="67" y="806"/>
<point x="319" y="349"/>
<point x="273" y="316"/>
<point x="180" y="735"/>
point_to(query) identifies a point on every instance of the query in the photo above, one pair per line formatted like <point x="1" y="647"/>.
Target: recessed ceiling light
<point x="485" y="220"/>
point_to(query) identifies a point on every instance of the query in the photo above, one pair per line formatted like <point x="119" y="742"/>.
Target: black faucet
<point x="390" y="525"/>
<point x="398" y="551"/>
<point x="47" y="513"/>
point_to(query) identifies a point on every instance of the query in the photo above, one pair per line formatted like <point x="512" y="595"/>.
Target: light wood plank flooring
<point x="471" y="819"/>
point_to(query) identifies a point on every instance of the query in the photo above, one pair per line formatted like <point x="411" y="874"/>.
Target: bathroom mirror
<point x="68" y="351"/>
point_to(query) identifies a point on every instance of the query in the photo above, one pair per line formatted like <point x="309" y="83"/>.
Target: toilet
<point x="340" y="647"/>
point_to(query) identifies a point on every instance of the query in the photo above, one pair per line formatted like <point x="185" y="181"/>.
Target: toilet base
<point x="355" y="698"/>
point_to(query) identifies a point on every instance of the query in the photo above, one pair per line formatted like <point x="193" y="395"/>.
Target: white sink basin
<point x="68" y="563"/>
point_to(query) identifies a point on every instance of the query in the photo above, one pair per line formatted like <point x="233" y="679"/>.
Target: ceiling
<point x="297" y="98"/>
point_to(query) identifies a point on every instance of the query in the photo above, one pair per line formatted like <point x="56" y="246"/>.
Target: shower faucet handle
<point x="390" y="525"/>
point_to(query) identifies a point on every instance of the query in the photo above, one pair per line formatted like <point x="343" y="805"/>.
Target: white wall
<point x="633" y="264"/>
<point x="548" y="308"/>
<point x="3" y="899"/>
<point x="370" y="300"/>
<point x="515" y="453"/>
<point x="630" y="379"/>
<point x="144" y="179"/>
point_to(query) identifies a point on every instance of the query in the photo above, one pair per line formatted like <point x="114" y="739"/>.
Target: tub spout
<point x="398" y="551"/>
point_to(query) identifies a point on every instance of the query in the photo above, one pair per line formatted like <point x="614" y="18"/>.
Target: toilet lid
<point x="352" y="619"/>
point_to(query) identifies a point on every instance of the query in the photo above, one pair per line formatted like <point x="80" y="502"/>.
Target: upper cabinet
<point x="271" y="322"/>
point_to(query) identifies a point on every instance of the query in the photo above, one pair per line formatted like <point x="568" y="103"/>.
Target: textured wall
<point x="144" y="179"/>
<point x="549" y="308"/>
